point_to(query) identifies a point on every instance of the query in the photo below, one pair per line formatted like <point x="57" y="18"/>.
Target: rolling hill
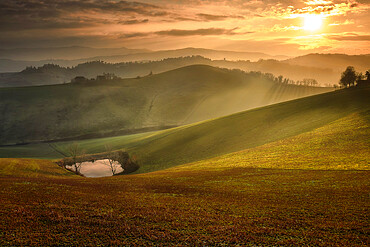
<point x="98" y="108"/>
<point x="310" y="187"/>
<point x="325" y="68"/>
<point x="316" y="124"/>
<point x="335" y="62"/>
<point x="33" y="168"/>
<point x="251" y="128"/>
<point x="50" y="74"/>
<point x="14" y="60"/>
<point x="339" y="145"/>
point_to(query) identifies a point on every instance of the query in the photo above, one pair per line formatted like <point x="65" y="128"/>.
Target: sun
<point x="312" y="22"/>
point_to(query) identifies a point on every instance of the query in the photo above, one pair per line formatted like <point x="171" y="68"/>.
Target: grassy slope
<point x="58" y="150"/>
<point x="32" y="168"/>
<point x="177" y="97"/>
<point x="341" y="145"/>
<point x="163" y="149"/>
<point x="246" y="129"/>
<point x="34" y="151"/>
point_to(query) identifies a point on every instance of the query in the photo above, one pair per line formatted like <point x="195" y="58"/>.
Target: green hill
<point x="307" y="189"/>
<point x="100" y="108"/>
<point x="237" y="132"/>
<point x="33" y="168"/>
<point x="248" y="129"/>
<point x="340" y="145"/>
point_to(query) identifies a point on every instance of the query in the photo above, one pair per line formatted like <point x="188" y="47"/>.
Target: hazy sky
<point x="272" y="26"/>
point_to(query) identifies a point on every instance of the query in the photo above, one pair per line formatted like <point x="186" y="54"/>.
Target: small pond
<point x="99" y="168"/>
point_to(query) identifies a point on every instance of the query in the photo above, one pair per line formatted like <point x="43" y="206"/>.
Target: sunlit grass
<point x="31" y="168"/>
<point x="221" y="136"/>
<point x="236" y="206"/>
<point x="343" y="145"/>
<point x="319" y="198"/>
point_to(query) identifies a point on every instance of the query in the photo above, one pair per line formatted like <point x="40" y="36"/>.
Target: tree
<point x="310" y="82"/>
<point x="74" y="151"/>
<point x="128" y="164"/>
<point x="349" y="76"/>
<point x="280" y="79"/>
<point x="359" y="77"/>
<point x="112" y="157"/>
<point x="363" y="80"/>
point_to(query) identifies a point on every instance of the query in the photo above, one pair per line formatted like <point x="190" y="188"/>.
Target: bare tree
<point x="74" y="151"/>
<point x="111" y="163"/>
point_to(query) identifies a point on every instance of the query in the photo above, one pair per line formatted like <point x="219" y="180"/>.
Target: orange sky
<point x="284" y="27"/>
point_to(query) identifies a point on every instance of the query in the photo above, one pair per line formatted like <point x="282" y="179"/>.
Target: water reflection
<point x="99" y="168"/>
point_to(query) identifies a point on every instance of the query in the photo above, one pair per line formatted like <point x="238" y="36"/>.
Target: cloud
<point x="32" y="40"/>
<point x="134" y="35"/>
<point x="18" y="24"/>
<point x="349" y="37"/>
<point x="282" y="46"/>
<point x="202" y="31"/>
<point x="209" y="17"/>
<point x="318" y="2"/>
<point x="325" y="8"/>
<point x="346" y="22"/>
<point x="133" y="21"/>
<point x="51" y="7"/>
<point x="183" y="32"/>
<point x="32" y="14"/>
<point x="176" y="23"/>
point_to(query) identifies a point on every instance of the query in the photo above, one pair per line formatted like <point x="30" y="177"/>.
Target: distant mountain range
<point x="16" y="60"/>
<point x="336" y="62"/>
<point x="127" y="63"/>
<point x="295" y="69"/>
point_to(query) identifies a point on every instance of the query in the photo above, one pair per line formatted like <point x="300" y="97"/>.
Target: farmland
<point x="308" y="189"/>
<point x="235" y="205"/>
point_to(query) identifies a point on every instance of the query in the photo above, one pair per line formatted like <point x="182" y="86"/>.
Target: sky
<point x="276" y="27"/>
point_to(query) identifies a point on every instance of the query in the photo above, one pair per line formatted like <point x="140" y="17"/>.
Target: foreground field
<point x="240" y="205"/>
<point x="309" y="189"/>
